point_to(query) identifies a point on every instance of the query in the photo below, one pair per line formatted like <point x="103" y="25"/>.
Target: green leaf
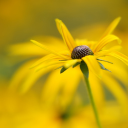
<point x="76" y="64"/>
<point x="102" y="67"/>
<point x="84" y="69"/>
<point x="59" y="67"/>
<point x="63" y="69"/>
<point x="105" y="61"/>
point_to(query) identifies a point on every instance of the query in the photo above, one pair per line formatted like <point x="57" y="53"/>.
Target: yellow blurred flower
<point x="28" y="110"/>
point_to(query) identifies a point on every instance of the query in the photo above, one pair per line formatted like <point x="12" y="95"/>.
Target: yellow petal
<point x="52" y="86"/>
<point x="117" y="91"/>
<point x="69" y="63"/>
<point x="61" y="87"/>
<point x="68" y="39"/>
<point x="102" y="53"/>
<point x="97" y="90"/>
<point x="92" y="64"/>
<point x="33" y="76"/>
<point x="54" y="63"/>
<point x="20" y="75"/>
<point x="24" y="78"/>
<point x="119" y="56"/>
<point x="44" y="59"/>
<point x="111" y="27"/>
<point x="104" y="41"/>
<point x="25" y="49"/>
<point x="106" y="52"/>
<point x="71" y="79"/>
<point x="47" y="49"/>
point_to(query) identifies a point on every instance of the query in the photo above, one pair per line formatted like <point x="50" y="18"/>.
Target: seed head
<point x="81" y="51"/>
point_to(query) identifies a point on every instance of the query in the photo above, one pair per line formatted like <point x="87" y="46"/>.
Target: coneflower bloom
<point x="77" y="52"/>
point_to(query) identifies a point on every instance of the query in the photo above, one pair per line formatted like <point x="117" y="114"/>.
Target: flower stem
<point x="92" y="102"/>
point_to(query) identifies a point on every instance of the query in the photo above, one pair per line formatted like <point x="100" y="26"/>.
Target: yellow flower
<point x="78" y="52"/>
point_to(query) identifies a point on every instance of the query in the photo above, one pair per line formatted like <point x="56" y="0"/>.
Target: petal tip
<point x="33" y="41"/>
<point x="119" y="18"/>
<point x="57" y="21"/>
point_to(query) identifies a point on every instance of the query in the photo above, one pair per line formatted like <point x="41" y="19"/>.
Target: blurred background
<point x="22" y="20"/>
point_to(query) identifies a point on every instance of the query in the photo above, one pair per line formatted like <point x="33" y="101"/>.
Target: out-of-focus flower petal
<point x="119" y="56"/>
<point x="97" y="90"/>
<point x="44" y="59"/>
<point x="28" y="77"/>
<point x="65" y="85"/>
<point x="105" y="52"/>
<point x="25" y="49"/>
<point x="52" y="63"/>
<point x="33" y="76"/>
<point x="117" y="91"/>
<point x="47" y="49"/>
<point x="71" y="82"/>
<point x="20" y="75"/>
<point x="28" y="49"/>
<point x="52" y="86"/>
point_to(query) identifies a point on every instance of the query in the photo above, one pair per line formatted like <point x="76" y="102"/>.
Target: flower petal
<point x="119" y="56"/>
<point x="52" y="86"/>
<point x="92" y="64"/>
<point x="44" y="59"/>
<point x="25" y="49"/>
<point x="104" y="41"/>
<point x="97" y="90"/>
<point x="70" y="63"/>
<point x="54" y="62"/>
<point x="111" y="27"/>
<point x="106" y="52"/>
<point x="32" y="78"/>
<point x="64" y="88"/>
<point x="47" y="49"/>
<point x="71" y="79"/>
<point x="68" y="39"/>
<point x="20" y="75"/>
<point x="118" y="92"/>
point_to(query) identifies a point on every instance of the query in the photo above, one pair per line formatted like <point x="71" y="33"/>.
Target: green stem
<point x="92" y="102"/>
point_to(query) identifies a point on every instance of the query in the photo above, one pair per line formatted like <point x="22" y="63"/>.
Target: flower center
<point x="81" y="51"/>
